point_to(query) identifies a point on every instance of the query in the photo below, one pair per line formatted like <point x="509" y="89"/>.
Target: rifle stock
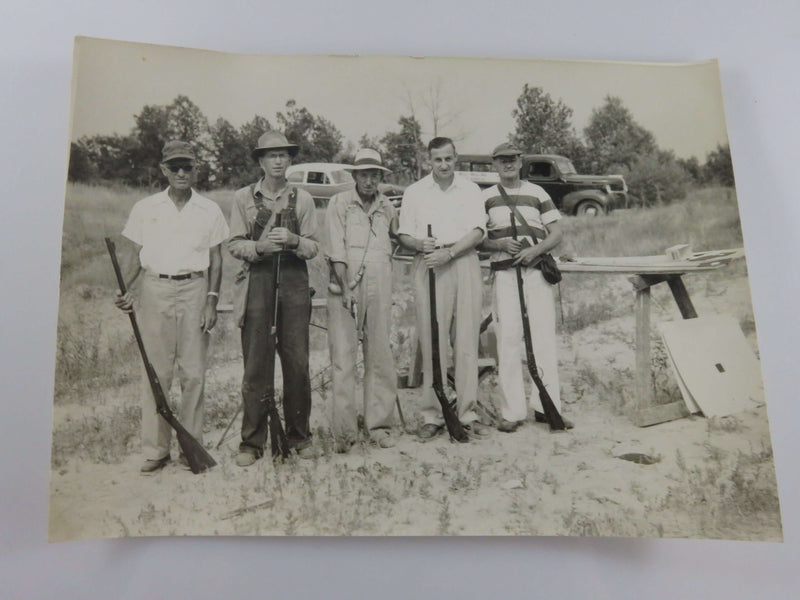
<point x="278" y="443"/>
<point x="551" y="414"/>
<point x="454" y="427"/>
<point x="198" y="458"/>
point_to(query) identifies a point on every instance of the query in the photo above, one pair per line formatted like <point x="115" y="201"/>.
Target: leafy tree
<point x="656" y="178"/>
<point x="404" y="151"/>
<point x="229" y="154"/>
<point x="543" y="125"/>
<point x="719" y="167"/>
<point x="692" y="166"/>
<point x="319" y="139"/>
<point x="111" y="156"/>
<point x="615" y="138"/>
<point x="150" y="133"/>
<point x="80" y="165"/>
<point x="248" y="170"/>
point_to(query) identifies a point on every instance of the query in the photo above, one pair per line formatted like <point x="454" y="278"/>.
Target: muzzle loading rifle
<point x="454" y="427"/>
<point x="198" y="458"/>
<point x="278" y="442"/>
<point x="551" y="414"/>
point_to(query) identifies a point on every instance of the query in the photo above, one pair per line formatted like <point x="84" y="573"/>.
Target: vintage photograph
<point x="396" y="296"/>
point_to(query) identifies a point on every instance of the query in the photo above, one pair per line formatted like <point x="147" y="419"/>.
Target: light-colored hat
<point x="274" y="140"/>
<point x="506" y="149"/>
<point x="367" y="158"/>
<point x="176" y="149"/>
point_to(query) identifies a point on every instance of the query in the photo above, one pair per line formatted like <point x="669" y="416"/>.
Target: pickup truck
<point x="572" y="194"/>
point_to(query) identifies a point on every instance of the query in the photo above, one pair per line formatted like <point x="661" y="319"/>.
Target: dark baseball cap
<point x="506" y="149"/>
<point x="177" y="149"/>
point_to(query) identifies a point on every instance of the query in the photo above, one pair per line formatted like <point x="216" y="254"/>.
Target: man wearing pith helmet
<point x="256" y="241"/>
<point x="539" y="231"/>
<point x="359" y="224"/>
<point x="175" y="237"/>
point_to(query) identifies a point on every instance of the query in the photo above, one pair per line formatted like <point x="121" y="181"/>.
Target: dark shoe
<point x="476" y="428"/>
<point x="245" y="459"/>
<point x="429" y="431"/>
<point x="540" y="418"/>
<point x="508" y="426"/>
<point x="151" y="465"/>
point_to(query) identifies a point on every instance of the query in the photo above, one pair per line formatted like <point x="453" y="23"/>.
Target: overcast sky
<point x="680" y="103"/>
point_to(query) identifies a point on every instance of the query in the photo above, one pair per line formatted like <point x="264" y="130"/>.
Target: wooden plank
<point x="658" y="264"/>
<point x="681" y="297"/>
<point x="716" y="363"/>
<point x="644" y="391"/>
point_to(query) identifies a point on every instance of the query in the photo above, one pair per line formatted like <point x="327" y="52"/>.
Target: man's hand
<point x="509" y="245"/>
<point x="283" y="237"/>
<point x="428" y="245"/>
<point x="267" y="247"/>
<point x="124" y="302"/>
<point x="349" y="301"/>
<point x="437" y="258"/>
<point x="526" y="256"/>
<point x="209" y="318"/>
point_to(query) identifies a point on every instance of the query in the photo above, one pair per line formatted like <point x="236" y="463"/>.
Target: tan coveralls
<point x="360" y="235"/>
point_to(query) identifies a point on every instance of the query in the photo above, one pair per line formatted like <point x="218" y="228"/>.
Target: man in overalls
<point x="359" y="223"/>
<point x="256" y="241"/>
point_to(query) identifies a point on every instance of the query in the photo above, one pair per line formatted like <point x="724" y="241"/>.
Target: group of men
<point x="176" y="237"/>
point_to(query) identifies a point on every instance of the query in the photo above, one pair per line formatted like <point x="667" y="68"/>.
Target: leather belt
<point x="182" y="276"/>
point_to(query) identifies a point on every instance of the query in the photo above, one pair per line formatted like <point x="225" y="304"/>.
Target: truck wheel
<point x="589" y="207"/>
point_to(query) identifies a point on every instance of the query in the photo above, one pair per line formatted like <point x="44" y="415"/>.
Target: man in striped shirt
<point x="536" y="207"/>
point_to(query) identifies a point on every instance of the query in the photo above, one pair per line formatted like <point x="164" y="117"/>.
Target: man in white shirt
<point x="453" y="206"/>
<point x="541" y="218"/>
<point x="175" y="238"/>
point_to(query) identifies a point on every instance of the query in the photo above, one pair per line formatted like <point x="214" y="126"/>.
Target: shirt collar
<point x="432" y="183"/>
<point x="259" y="190"/>
<point x="193" y="201"/>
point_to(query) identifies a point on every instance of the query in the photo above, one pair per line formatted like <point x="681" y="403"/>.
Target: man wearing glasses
<point x="175" y="237"/>
<point x="257" y="241"/>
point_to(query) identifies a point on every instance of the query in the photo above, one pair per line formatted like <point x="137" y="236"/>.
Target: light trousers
<point x="539" y="300"/>
<point x="459" y="296"/>
<point x="374" y="317"/>
<point x="169" y="314"/>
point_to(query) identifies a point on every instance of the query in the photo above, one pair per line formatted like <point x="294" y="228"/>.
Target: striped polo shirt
<point x="532" y="202"/>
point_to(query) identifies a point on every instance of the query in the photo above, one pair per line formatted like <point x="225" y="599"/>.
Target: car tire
<point x="589" y="208"/>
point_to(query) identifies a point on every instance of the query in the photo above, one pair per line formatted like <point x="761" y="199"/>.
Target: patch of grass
<point x="106" y="438"/>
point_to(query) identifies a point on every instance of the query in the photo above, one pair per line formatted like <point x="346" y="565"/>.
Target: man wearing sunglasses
<point x="175" y="238"/>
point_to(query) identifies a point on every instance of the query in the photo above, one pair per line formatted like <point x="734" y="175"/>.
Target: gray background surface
<point x="758" y="48"/>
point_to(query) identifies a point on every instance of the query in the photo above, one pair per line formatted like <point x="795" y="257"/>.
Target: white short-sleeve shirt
<point x="175" y="241"/>
<point x="452" y="213"/>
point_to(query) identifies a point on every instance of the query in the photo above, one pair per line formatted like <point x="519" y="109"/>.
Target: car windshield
<point x="341" y="177"/>
<point x="566" y="167"/>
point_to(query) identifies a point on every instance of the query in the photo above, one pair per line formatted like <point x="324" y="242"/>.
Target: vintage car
<point x="321" y="180"/>
<point x="572" y="194"/>
<point x="324" y="180"/>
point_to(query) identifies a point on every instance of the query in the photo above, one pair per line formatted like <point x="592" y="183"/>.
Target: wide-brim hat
<point x="367" y="158"/>
<point x="274" y="140"/>
<point x="175" y="149"/>
<point x="506" y="149"/>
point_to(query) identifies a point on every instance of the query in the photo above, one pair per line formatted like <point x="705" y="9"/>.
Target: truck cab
<point x="573" y="194"/>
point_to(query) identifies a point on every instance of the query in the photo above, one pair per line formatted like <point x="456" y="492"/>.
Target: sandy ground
<point x="709" y="478"/>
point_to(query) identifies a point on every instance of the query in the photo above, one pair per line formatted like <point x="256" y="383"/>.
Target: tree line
<point x="612" y="142"/>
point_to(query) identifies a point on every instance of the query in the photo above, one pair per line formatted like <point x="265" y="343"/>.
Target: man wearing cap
<point x="256" y="241"/>
<point x="175" y="237"/>
<point x="535" y="215"/>
<point x="359" y="224"/>
<point x="454" y="207"/>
